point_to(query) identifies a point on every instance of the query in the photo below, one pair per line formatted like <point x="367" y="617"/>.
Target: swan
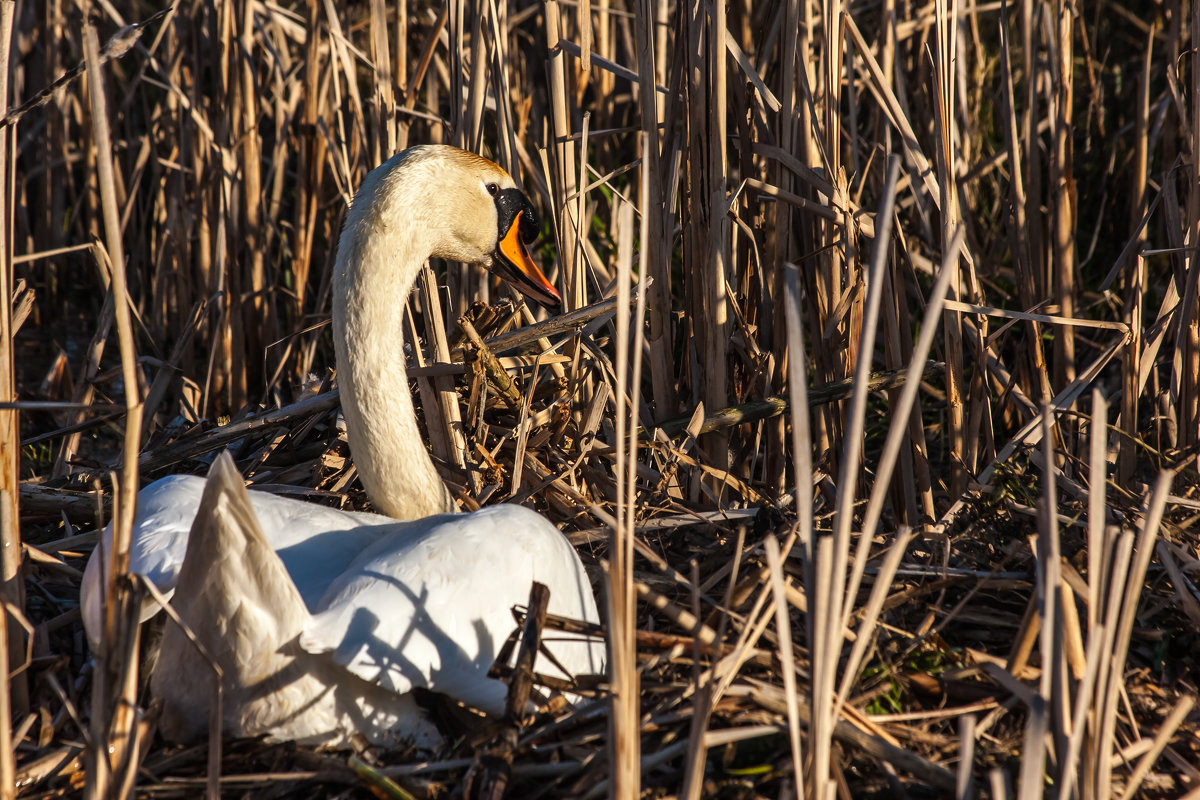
<point x="324" y="621"/>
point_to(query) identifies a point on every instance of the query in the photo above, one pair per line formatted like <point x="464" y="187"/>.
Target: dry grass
<point x="978" y="580"/>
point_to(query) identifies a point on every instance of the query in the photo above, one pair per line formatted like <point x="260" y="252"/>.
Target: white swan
<point x="323" y="620"/>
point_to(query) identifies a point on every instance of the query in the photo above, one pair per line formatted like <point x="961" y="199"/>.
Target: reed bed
<point x="874" y="409"/>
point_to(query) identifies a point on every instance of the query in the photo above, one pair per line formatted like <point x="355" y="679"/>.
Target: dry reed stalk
<point x="897" y="432"/>
<point x="1117" y="551"/>
<point x="490" y="776"/>
<point x="502" y="95"/>
<point x="658" y="243"/>
<point x="1136" y="282"/>
<point x="582" y="219"/>
<point x="870" y="616"/>
<point x="897" y="351"/>
<point x="563" y="175"/>
<point x="708" y="217"/>
<point x="1034" y="170"/>
<point x="257" y="324"/>
<point x="444" y="417"/>
<point x="1021" y="242"/>
<point x="828" y="600"/>
<point x="1187" y="362"/>
<point x="952" y="327"/>
<point x="114" y="748"/>
<point x="851" y="457"/>
<point x="400" y="70"/>
<point x="784" y="629"/>
<point x="821" y="728"/>
<point x="965" y="785"/>
<point x="311" y="160"/>
<point x="14" y="700"/>
<point x="384" y="129"/>
<point x="1126" y="600"/>
<point x="1062" y="182"/>
<point x="1168" y="728"/>
<point x="1053" y="677"/>
<point x="1030" y="781"/>
<point x="1069" y="769"/>
<point x="1097" y="509"/>
<point x="701" y="740"/>
<point x="624" y="723"/>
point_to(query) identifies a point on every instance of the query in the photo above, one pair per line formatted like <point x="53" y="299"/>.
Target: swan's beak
<point x="511" y="261"/>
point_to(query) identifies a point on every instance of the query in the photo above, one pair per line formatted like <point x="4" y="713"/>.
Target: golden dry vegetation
<point x="878" y="424"/>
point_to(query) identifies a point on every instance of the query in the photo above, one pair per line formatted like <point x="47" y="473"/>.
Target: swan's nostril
<point x="530" y="226"/>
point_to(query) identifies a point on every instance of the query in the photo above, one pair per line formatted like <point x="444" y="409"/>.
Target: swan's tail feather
<point x="227" y="541"/>
<point x="238" y="600"/>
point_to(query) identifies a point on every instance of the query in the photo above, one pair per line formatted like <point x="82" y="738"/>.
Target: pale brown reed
<point x="775" y="198"/>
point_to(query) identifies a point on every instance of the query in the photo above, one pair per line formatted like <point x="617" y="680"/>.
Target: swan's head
<point x="471" y="211"/>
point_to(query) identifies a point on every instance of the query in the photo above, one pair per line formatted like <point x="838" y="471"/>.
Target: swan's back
<point x="430" y="605"/>
<point x="314" y="542"/>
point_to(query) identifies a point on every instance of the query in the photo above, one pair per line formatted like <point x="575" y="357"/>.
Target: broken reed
<point x="737" y="154"/>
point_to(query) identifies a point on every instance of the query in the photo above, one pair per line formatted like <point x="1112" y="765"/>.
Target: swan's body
<point x="422" y="604"/>
<point x="323" y="621"/>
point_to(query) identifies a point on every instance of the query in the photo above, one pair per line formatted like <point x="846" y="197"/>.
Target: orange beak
<point x="513" y="263"/>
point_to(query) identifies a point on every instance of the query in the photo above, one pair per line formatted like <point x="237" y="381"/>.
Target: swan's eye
<point x="492" y="189"/>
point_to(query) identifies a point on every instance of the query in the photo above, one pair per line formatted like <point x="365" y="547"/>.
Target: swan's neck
<point x="379" y="257"/>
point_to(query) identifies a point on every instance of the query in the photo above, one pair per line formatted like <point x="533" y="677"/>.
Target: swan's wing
<point x="430" y="605"/>
<point x="230" y="566"/>
<point x="239" y="604"/>
<point x="166" y="509"/>
<point x="237" y="600"/>
<point x="315" y="542"/>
